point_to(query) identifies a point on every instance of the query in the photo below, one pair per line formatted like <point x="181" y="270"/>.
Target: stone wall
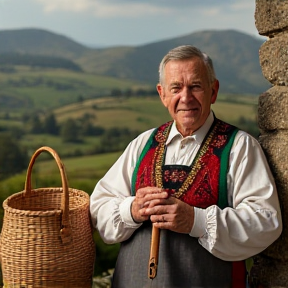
<point x="271" y="18"/>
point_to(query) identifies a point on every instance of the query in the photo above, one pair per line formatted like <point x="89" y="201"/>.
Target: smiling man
<point x="204" y="183"/>
<point x="181" y="79"/>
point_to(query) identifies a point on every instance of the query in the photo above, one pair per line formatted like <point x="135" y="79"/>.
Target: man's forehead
<point x="186" y="65"/>
<point x="177" y="69"/>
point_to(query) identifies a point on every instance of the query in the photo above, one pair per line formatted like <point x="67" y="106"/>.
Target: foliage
<point x="106" y="255"/>
<point x="8" y="59"/>
<point x="115" y="139"/>
<point x="35" y="124"/>
<point x="249" y="125"/>
<point x="50" y="124"/>
<point x="12" y="157"/>
<point x="69" y="131"/>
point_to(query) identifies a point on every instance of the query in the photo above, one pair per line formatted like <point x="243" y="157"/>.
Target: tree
<point x="50" y="125"/>
<point x="70" y="131"/>
<point x="13" y="158"/>
<point x="36" y="125"/>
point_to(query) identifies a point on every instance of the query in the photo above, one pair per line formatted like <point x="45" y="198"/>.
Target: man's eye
<point x="175" y="89"/>
<point x="196" y="88"/>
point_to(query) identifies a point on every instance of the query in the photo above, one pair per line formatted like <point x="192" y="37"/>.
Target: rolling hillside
<point x="235" y="56"/>
<point x="39" y="42"/>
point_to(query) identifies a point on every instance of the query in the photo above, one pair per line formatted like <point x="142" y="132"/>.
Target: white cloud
<point x="244" y="5"/>
<point x="65" y="5"/>
<point x="103" y="9"/>
<point x="211" y="11"/>
<point x="131" y="8"/>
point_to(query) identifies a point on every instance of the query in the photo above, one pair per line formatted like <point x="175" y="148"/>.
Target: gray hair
<point x="186" y="52"/>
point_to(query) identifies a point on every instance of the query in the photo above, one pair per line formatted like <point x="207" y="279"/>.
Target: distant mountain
<point x="39" y="42"/>
<point x="235" y="56"/>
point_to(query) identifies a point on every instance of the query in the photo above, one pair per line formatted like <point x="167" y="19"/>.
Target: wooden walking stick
<point x="154" y="252"/>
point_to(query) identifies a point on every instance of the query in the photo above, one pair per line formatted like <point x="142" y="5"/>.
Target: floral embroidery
<point x="174" y="175"/>
<point x="219" y="141"/>
<point x="196" y="185"/>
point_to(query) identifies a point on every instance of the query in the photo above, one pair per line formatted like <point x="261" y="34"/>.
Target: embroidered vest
<point x="204" y="182"/>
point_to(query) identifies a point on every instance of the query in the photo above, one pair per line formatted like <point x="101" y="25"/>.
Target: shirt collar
<point x="198" y="135"/>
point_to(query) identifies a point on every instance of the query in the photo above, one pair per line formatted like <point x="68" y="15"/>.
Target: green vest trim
<point x="224" y="163"/>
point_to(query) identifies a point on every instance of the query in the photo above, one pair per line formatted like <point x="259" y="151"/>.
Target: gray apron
<point x="200" y="270"/>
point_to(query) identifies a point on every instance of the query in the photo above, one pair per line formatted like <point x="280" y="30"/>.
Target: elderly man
<point x="203" y="183"/>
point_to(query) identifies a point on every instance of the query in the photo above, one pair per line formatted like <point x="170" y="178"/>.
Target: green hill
<point x="235" y="56"/>
<point x="34" y="88"/>
<point x="39" y="42"/>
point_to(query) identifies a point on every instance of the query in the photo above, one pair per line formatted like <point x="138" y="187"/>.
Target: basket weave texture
<point x="47" y="236"/>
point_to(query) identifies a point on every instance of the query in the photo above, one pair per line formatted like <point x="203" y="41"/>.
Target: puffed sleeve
<point x="253" y="220"/>
<point x="111" y="199"/>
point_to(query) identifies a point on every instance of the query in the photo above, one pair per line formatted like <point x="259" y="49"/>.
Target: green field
<point x="32" y="88"/>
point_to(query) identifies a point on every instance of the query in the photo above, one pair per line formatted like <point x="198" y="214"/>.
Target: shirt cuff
<point x="199" y="226"/>
<point x="125" y="213"/>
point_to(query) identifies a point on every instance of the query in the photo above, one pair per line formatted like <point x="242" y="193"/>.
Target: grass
<point x="231" y="112"/>
<point x="81" y="167"/>
<point x="51" y="88"/>
<point x="34" y="141"/>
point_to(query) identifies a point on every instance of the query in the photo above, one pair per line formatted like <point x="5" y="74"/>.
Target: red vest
<point x="204" y="182"/>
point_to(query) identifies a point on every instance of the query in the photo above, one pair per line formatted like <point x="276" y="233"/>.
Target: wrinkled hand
<point x="172" y="214"/>
<point x="164" y="211"/>
<point x="143" y="197"/>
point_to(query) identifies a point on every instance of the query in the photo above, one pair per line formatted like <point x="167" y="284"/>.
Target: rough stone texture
<point x="273" y="109"/>
<point x="274" y="275"/>
<point x="271" y="16"/>
<point x="275" y="146"/>
<point x="273" y="56"/>
<point x="271" y="266"/>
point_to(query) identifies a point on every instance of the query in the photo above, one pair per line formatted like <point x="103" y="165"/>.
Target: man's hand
<point x="172" y="214"/>
<point x="143" y="197"/>
<point x="164" y="211"/>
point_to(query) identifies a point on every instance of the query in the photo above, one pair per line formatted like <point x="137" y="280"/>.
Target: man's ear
<point x="161" y="93"/>
<point x="215" y="89"/>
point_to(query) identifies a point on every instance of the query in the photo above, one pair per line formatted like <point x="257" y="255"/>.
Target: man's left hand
<point x="172" y="214"/>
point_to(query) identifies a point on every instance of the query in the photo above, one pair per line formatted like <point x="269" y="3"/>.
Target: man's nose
<point x="186" y="94"/>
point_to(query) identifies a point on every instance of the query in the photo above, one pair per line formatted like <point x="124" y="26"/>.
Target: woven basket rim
<point x="45" y="213"/>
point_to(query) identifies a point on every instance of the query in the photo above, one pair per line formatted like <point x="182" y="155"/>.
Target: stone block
<point x="273" y="109"/>
<point x="271" y="16"/>
<point x="268" y="273"/>
<point x="275" y="147"/>
<point x="273" y="57"/>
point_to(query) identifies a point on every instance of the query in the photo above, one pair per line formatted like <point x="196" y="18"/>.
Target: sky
<point x="105" y="23"/>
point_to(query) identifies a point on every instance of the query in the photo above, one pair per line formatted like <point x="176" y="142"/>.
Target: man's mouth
<point x="187" y="110"/>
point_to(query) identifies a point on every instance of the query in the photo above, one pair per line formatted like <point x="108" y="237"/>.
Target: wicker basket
<point x="46" y="238"/>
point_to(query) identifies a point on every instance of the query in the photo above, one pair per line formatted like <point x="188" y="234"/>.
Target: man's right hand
<point x="143" y="198"/>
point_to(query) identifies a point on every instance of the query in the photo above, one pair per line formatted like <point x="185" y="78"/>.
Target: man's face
<point x="187" y="93"/>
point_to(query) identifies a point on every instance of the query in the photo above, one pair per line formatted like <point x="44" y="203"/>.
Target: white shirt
<point x="248" y="226"/>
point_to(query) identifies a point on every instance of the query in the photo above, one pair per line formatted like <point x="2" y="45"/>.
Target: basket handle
<point x="65" y="231"/>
